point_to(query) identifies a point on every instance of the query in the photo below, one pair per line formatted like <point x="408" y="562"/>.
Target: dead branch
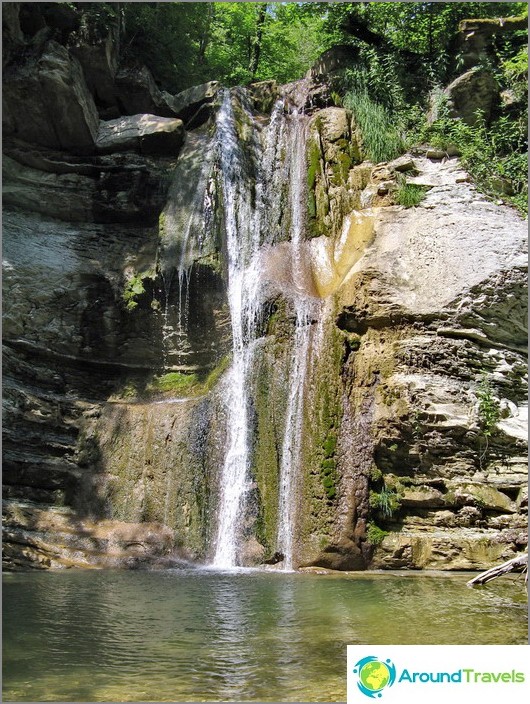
<point x="517" y="564"/>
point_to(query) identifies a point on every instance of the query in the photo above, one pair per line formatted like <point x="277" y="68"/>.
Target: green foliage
<point x="409" y="194"/>
<point x="496" y="156"/>
<point x="169" y="37"/>
<point x="375" y="535"/>
<point x="386" y="502"/>
<point x="290" y="41"/>
<point x="380" y="141"/>
<point x="488" y="406"/>
<point x="134" y="288"/>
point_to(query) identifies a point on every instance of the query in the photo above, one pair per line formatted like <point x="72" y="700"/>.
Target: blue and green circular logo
<point x="374" y="675"/>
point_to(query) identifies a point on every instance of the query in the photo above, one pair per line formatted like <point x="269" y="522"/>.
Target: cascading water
<point x="184" y="217"/>
<point x="305" y="307"/>
<point x="242" y="244"/>
<point x="277" y="168"/>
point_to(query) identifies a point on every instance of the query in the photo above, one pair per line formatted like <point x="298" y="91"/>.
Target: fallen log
<point x="517" y="564"/>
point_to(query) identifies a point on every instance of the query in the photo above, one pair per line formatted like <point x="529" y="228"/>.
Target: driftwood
<point x="517" y="564"/>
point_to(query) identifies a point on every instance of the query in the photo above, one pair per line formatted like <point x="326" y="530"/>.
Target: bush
<point x="496" y="156"/>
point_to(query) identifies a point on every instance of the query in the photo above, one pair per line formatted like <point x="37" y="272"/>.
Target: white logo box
<point x="438" y="674"/>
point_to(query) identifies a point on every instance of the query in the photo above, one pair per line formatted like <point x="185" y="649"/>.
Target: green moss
<point x="269" y="398"/>
<point x="162" y="225"/>
<point x="313" y="164"/>
<point x="188" y="384"/>
<point x="341" y="168"/>
<point x="216" y="373"/>
<point x="174" y="381"/>
<point x="330" y="444"/>
<point x="375" y="535"/>
<point x="376" y="475"/>
<point x="213" y="262"/>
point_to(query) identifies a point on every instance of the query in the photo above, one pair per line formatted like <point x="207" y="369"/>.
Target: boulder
<point x="99" y="61"/>
<point x="263" y="94"/>
<point x="402" y="164"/>
<point x="340" y="56"/>
<point x="194" y="105"/>
<point x="46" y="101"/>
<point x="147" y="134"/>
<point x="136" y="92"/>
<point x="475" y="90"/>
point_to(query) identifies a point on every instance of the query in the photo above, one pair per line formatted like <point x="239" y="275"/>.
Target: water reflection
<point x="246" y="636"/>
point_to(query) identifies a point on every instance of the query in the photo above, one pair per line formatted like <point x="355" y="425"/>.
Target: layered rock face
<point x="117" y="334"/>
<point x="87" y="309"/>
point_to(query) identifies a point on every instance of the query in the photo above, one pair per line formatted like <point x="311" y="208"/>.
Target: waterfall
<point x="276" y="167"/>
<point x="305" y="308"/>
<point x="242" y="245"/>
<point x="182" y="221"/>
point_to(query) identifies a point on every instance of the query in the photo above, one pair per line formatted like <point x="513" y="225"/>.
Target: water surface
<point x="220" y="636"/>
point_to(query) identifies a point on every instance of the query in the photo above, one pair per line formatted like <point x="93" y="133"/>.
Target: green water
<point x="213" y="636"/>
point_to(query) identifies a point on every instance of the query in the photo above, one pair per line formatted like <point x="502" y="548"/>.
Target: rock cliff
<point x="117" y="332"/>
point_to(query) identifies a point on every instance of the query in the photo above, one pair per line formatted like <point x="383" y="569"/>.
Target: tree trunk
<point x="255" y="48"/>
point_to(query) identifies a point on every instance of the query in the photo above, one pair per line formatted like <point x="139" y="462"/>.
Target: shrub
<point x="134" y="288"/>
<point x="386" y="502"/>
<point x="488" y="406"/>
<point x="496" y="156"/>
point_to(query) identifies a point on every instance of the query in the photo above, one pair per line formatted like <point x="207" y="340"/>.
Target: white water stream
<point x="252" y="220"/>
<point x="242" y="243"/>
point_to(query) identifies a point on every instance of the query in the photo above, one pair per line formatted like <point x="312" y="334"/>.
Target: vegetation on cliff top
<point x="402" y="54"/>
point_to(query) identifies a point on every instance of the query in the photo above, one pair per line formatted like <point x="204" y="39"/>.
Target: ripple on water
<point x="192" y="635"/>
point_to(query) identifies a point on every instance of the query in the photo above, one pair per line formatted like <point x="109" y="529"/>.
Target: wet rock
<point x="264" y="94"/>
<point x="147" y="134"/>
<point x="40" y="538"/>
